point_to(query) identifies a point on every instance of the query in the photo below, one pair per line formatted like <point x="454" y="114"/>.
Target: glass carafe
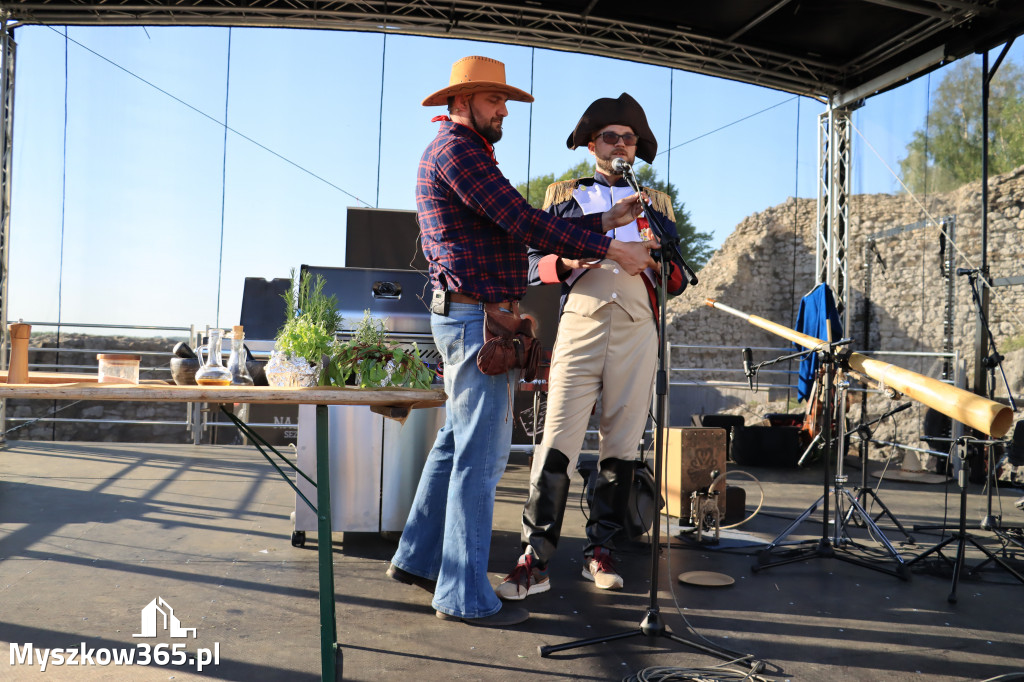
<point x="213" y="372"/>
<point x="237" y="360"/>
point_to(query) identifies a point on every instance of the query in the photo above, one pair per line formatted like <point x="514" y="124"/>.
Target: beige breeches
<point x="609" y="355"/>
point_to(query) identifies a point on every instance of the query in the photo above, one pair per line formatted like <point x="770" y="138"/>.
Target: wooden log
<point x="977" y="412"/>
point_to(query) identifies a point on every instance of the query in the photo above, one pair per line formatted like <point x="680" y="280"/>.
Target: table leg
<point x="330" y="652"/>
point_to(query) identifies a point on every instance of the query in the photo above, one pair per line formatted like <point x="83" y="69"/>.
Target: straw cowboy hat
<point x="476" y="74"/>
<point x="624" y="111"/>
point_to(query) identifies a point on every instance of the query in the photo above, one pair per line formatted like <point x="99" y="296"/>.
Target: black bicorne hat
<point x="624" y="111"/>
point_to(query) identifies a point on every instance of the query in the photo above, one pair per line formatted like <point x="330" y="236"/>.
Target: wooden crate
<point x="691" y="455"/>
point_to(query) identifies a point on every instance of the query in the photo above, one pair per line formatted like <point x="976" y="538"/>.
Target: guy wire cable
<point x="671" y="91"/>
<point x="730" y="124"/>
<point x="529" y="127"/>
<point x="63" y="201"/>
<point x="1010" y="309"/>
<point x="220" y="123"/>
<point x="796" y="233"/>
<point x="380" y="116"/>
<point x="223" y="178"/>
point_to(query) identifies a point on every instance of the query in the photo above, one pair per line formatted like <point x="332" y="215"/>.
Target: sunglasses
<point x="628" y="139"/>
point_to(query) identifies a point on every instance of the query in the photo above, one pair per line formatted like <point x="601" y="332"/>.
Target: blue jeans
<point x="447" y="536"/>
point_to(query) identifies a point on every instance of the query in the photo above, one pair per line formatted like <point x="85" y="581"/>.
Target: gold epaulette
<point x="661" y="202"/>
<point x="559" y="192"/>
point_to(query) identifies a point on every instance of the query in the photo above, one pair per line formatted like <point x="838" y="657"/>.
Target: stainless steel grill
<point x="396" y="297"/>
<point x="375" y="462"/>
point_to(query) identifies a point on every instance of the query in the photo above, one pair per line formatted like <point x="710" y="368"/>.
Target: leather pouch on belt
<point x="510" y="342"/>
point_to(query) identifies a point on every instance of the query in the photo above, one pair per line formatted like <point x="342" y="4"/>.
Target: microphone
<point x="747" y="359"/>
<point x="620" y="166"/>
<point x="967" y="271"/>
<point x="904" y="406"/>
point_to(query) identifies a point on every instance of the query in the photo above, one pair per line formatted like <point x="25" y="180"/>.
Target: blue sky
<point x="119" y="221"/>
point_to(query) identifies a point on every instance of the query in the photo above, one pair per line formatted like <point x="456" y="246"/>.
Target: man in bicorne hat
<point x="607" y="345"/>
<point x="475" y="228"/>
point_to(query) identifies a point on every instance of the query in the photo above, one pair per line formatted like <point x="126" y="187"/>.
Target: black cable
<point x="711" y="674"/>
<point x="52" y="412"/>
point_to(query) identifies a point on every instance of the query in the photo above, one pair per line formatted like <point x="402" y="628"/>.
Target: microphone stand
<point x="961" y="536"/>
<point x="834" y="412"/>
<point x="864" y="431"/>
<point x="652" y="626"/>
<point x="990" y="522"/>
<point x="670" y="242"/>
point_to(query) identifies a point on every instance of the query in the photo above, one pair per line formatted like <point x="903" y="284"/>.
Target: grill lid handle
<point x="386" y="289"/>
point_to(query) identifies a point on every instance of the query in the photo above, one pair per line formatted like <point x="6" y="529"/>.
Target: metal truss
<point x="620" y="33"/>
<point x="8" y="48"/>
<point x="832" y="246"/>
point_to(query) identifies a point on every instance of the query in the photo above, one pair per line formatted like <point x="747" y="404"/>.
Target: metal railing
<point x="197" y="418"/>
<point x="725" y="373"/>
<point x="684" y="376"/>
<point x="161" y="371"/>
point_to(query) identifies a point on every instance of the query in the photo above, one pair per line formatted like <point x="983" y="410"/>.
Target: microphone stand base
<point x="651" y="627"/>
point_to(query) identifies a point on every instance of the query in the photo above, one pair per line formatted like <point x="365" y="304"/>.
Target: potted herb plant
<point x="306" y="342"/>
<point x="372" y="360"/>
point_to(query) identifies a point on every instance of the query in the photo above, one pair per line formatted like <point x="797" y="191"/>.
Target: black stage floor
<point x="90" y="534"/>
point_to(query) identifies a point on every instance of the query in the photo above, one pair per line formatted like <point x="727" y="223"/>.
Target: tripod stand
<point x="652" y="626"/>
<point x="961" y="536"/>
<point x="990" y="523"/>
<point x="826" y="547"/>
<point x="865" y="491"/>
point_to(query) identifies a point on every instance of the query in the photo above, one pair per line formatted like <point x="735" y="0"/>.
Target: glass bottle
<point x="236" y="361"/>
<point x="212" y="372"/>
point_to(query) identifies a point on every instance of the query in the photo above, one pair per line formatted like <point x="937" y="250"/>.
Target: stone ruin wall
<point x="768" y="264"/>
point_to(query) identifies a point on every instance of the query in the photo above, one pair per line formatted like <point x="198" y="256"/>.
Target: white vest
<point x="609" y="283"/>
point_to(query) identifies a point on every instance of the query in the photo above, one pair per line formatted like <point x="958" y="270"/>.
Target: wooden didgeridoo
<point x="17" y="369"/>
<point x="976" y="411"/>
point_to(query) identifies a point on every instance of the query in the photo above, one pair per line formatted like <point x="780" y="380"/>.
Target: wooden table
<point x="393" y="402"/>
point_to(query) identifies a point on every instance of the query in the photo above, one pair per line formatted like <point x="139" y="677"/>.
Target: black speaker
<point x="767" y="446"/>
<point x="263" y="307"/>
<point x="1016" y="453"/>
<point x="384" y="239"/>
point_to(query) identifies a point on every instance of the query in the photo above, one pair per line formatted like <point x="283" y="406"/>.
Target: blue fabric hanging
<point x="817" y="311"/>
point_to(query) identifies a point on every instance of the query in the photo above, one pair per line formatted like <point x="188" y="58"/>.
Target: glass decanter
<point x="213" y="372"/>
<point x="237" y="360"/>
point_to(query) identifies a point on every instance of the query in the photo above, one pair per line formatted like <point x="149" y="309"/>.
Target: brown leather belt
<point x="456" y="297"/>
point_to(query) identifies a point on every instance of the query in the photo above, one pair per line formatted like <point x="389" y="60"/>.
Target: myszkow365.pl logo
<point x="157" y="618"/>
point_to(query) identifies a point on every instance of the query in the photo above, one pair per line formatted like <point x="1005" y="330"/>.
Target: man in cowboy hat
<point x="475" y="228"/>
<point x="607" y="344"/>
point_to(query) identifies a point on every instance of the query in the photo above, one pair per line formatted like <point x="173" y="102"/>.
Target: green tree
<point x="947" y="152"/>
<point x="695" y="246"/>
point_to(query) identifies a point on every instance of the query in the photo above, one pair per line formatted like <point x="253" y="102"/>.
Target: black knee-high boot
<point x="611" y="497"/>
<point x="545" y="506"/>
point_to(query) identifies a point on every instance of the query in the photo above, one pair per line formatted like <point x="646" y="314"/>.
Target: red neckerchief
<point x="488" y="147"/>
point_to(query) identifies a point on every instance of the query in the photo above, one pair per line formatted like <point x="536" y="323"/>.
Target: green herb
<point x="377" y="361"/>
<point x="311" y="320"/>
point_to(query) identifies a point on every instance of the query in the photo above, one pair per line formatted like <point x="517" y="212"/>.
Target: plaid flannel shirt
<point x="475" y="226"/>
